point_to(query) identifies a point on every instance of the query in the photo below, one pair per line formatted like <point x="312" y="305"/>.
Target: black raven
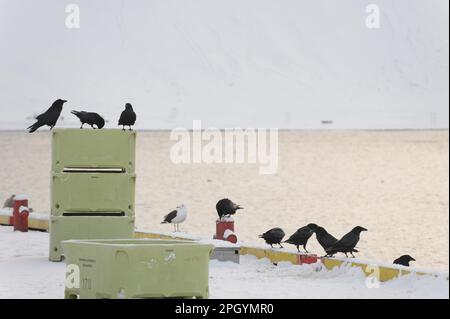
<point x="325" y="239"/>
<point x="128" y="117"/>
<point x="226" y="207"/>
<point x="404" y="260"/>
<point x="273" y="236"/>
<point x="49" y="117"/>
<point x="347" y="243"/>
<point x="301" y="236"/>
<point x="89" y="118"/>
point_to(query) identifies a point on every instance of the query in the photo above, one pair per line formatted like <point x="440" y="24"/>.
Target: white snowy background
<point x="247" y="63"/>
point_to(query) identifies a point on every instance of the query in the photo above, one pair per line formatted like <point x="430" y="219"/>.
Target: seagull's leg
<point x="304" y="247"/>
<point x="346" y="255"/>
<point x="353" y="256"/>
<point x="81" y="126"/>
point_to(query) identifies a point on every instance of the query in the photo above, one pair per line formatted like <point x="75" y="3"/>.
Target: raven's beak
<point x="64" y="101"/>
<point x="412" y="259"/>
<point x="364" y="229"/>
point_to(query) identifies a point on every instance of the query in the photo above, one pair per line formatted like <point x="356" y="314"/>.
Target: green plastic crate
<point x="92" y="186"/>
<point x="87" y="148"/>
<point x="137" y="268"/>
<point x="86" y="227"/>
<point x="93" y="192"/>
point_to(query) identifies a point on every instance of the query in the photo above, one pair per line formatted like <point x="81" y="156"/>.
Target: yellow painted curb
<point x="382" y="273"/>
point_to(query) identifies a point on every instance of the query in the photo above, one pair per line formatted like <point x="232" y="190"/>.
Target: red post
<point x="225" y="230"/>
<point x="20" y="213"/>
<point x="307" y="259"/>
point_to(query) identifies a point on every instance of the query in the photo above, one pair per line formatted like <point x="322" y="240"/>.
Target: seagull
<point x="176" y="217"/>
<point x="9" y="202"/>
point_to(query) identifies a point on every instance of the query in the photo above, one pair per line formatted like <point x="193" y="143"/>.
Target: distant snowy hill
<point x="247" y="63"/>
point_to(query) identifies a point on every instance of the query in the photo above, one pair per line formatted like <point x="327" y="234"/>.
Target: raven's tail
<point x="34" y="127"/>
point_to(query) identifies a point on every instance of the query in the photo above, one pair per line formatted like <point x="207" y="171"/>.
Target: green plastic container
<point x="88" y="148"/>
<point x="137" y="268"/>
<point x="89" y="227"/>
<point x="93" y="192"/>
<point x="92" y="186"/>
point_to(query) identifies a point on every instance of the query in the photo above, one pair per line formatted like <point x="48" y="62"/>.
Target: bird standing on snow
<point x="347" y="243"/>
<point x="273" y="236"/>
<point x="176" y="217"/>
<point x="9" y="202"/>
<point x="89" y="118"/>
<point x="404" y="260"/>
<point x="226" y="207"/>
<point x="128" y="117"/>
<point x="301" y="236"/>
<point x="49" y="117"/>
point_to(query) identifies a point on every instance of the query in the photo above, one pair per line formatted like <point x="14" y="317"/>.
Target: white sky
<point x="246" y="63"/>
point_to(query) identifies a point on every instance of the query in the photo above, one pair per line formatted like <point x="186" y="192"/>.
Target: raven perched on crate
<point x="273" y="236"/>
<point x="347" y="243"/>
<point x="49" y="117"/>
<point x="128" y="117"/>
<point x="301" y="236"/>
<point x="89" y="118"/>
<point x="404" y="260"/>
<point x="226" y="207"/>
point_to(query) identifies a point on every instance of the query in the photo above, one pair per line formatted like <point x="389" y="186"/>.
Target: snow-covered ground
<point x="25" y="272"/>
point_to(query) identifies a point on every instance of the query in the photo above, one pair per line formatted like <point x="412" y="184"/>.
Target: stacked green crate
<point x="92" y="186"/>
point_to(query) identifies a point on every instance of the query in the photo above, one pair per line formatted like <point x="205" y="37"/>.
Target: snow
<point x="227" y="233"/>
<point x="6" y="212"/>
<point x="25" y="272"/>
<point x="21" y="197"/>
<point x="23" y="209"/>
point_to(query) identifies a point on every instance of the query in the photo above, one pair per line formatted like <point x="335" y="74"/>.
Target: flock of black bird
<point x="51" y="116"/>
<point x="225" y="207"/>
<point x="330" y="244"/>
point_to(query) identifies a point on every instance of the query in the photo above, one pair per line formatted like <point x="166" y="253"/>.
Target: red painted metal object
<point x="225" y="231"/>
<point x="20" y="213"/>
<point x="307" y="259"/>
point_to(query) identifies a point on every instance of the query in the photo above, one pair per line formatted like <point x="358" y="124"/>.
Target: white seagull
<point x="176" y="217"/>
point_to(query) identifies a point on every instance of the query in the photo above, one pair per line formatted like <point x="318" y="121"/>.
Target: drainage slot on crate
<point x="93" y="170"/>
<point x="94" y="214"/>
